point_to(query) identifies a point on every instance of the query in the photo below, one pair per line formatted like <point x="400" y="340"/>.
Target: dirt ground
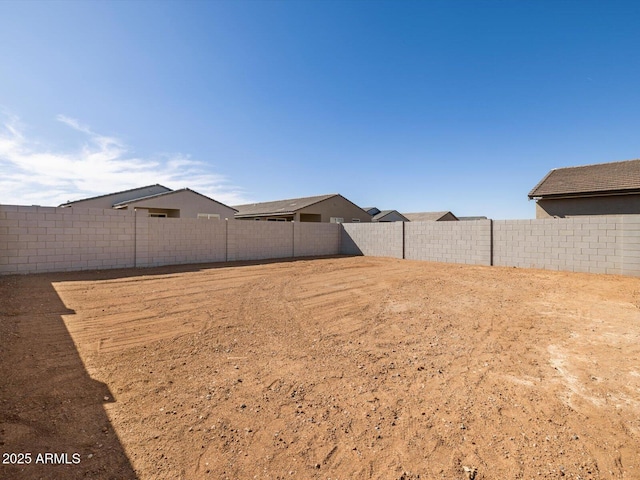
<point x="340" y="368"/>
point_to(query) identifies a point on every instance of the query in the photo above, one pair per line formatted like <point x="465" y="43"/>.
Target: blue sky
<point x="407" y="105"/>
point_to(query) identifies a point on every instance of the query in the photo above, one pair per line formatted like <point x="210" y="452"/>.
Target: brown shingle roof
<point x="129" y="194"/>
<point x="164" y="194"/>
<point x="384" y="213"/>
<point x="426" y="216"/>
<point x="614" y="177"/>
<point x="279" y="207"/>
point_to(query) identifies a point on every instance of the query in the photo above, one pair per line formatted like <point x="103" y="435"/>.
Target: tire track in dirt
<point x="367" y="368"/>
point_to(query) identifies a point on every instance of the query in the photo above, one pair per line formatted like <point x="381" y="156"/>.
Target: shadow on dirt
<point x="112" y="274"/>
<point x="50" y="408"/>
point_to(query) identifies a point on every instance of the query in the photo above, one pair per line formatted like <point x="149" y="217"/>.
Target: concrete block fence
<point x="598" y="244"/>
<point x="47" y="239"/>
<point x="453" y="242"/>
<point x="594" y="244"/>
<point x="373" y="239"/>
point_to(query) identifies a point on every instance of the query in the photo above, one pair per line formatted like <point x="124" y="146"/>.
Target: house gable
<point x="431" y="216"/>
<point x="389" y="216"/>
<point x="184" y="203"/>
<point x="320" y="208"/>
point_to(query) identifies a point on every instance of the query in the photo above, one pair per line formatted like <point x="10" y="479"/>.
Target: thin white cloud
<point x="31" y="174"/>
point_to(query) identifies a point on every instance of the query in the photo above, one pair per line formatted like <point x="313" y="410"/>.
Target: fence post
<point x="491" y="242"/>
<point x="226" y="239"/>
<point x="403" y="241"/>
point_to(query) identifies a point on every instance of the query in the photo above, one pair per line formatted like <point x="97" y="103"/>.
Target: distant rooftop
<point x="279" y="207"/>
<point x="126" y="194"/>
<point x="613" y="177"/>
<point x="427" y="216"/>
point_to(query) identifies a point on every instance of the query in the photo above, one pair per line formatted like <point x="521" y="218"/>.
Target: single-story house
<point x="431" y="217"/>
<point x="333" y="208"/>
<point x="599" y="189"/>
<point x="160" y="201"/>
<point x="378" y="215"/>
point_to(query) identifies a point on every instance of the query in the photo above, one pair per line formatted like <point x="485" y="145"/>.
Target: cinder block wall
<point x="453" y="242"/>
<point x="47" y="239"/>
<point x="316" y="239"/>
<point x="168" y="241"/>
<point x="44" y="239"/>
<point x="382" y="239"/>
<point x="598" y="244"/>
<point x="250" y="240"/>
<point x="630" y="250"/>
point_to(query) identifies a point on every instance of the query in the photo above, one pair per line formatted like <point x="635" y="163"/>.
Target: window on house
<point x="336" y="220"/>
<point x="355" y="220"/>
<point x="209" y="216"/>
<point x="276" y="219"/>
<point x="158" y="215"/>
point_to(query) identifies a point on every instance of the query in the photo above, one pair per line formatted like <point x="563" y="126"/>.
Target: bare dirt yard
<point x="340" y="368"/>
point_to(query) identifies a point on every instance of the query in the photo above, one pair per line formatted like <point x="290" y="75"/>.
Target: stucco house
<point x="332" y="208"/>
<point x="160" y="201"/>
<point x="598" y="189"/>
<point x="431" y="217"/>
<point x="378" y="215"/>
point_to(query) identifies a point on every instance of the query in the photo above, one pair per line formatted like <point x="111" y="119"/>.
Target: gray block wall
<point x="630" y="250"/>
<point x="316" y="239"/>
<point x="600" y="244"/>
<point x="45" y="239"/>
<point x="372" y="239"/>
<point x="453" y="242"/>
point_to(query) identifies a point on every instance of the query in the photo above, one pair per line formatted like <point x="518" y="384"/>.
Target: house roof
<point x="280" y="207"/>
<point x="371" y="210"/>
<point x="165" y="194"/>
<point x="427" y="216"/>
<point x="383" y="213"/>
<point x="157" y="187"/>
<point x="597" y="179"/>
<point x="472" y="218"/>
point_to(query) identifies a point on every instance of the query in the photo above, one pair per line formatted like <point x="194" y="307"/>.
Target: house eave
<point x="585" y="194"/>
<point x="270" y="214"/>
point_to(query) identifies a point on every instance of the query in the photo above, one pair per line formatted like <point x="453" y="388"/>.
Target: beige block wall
<point x="250" y="240"/>
<point x="169" y="241"/>
<point x="45" y="239"/>
<point x="48" y="239"/>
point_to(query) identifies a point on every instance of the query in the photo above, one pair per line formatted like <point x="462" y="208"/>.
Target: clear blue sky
<point x="407" y="105"/>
